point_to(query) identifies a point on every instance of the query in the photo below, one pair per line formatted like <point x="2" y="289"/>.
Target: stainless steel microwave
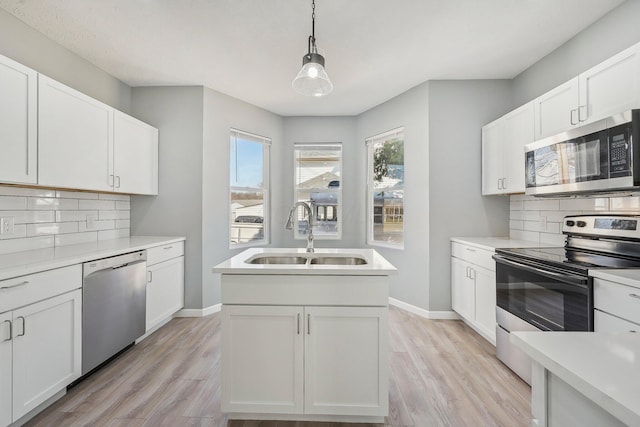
<point x="601" y="156"/>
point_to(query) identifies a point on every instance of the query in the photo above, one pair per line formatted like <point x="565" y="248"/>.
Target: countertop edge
<point x="493" y="243"/>
<point x="624" y="277"/>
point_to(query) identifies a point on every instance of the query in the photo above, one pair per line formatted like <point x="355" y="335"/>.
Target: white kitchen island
<point x="304" y="335"/>
<point x="586" y="379"/>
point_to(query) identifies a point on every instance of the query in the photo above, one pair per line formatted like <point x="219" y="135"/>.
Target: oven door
<point x="547" y="298"/>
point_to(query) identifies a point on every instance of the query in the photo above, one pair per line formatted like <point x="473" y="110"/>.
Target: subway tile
<point x="517" y="197"/>
<point x="516" y="225"/>
<point x="48" y="203"/>
<point x="26" y="192"/>
<point x="558" y="216"/>
<point x="13" y="203"/>
<point x="585" y="204"/>
<point x="541" y="205"/>
<point x="96" y="226"/>
<point x="107" y="205"/>
<point x="113" y="234"/>
<point x="625" y="204"/>
<point x="19" y="232"/>
<point x="76" y="238"/>
<point x="532" y="215"/>
<point x="28" y="244"/>
<point x="76" y="195"/>
<point x="66" y="216"/>
<point x="52" y="228"/>
<point x="516" y="205"/>
<point x="123" y="223"/>
<point x="29" y="217"/>
<point x="121" y="205"/>
<point x="529" y="236"/>
<point x="114" y="214"/>
<point x="542" y="226"/>
<point x="111" y="196"/>
<point x="552" y="239"/>
<point x="516" y="215"/>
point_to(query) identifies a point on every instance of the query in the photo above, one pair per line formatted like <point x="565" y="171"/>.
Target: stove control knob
<point x="582" y="224"/>
<point x="570" y="223"/>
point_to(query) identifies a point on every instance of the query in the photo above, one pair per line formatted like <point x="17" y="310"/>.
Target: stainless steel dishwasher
<point x="113" y="306"/>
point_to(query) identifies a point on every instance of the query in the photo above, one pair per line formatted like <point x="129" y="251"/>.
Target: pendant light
<point x="312" y="80"/>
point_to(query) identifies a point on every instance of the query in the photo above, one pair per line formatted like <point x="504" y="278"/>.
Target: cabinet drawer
<point x="481" y="257"/>
<point x="607" y="323"/>
<point x="620" y="300"/>
<point x="23" y="290"/>
<point x="164" y="252"/>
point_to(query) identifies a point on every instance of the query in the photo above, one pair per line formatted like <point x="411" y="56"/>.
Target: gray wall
<point x="177" y="210"/>
<point x="410" y="110"/>
<point x="611" y="34"/>
<point x="27" y="46"/>
<point x="222" y="112"/>
<point x="322" y="129"/>
<point x="457" y="111"/>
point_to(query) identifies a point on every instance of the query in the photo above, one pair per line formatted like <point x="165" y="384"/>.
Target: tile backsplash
<point x="45" y="218"/>
<point x="540" y="219"/>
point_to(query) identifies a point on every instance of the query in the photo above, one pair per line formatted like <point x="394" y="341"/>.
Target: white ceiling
<point x="252" y="49"/>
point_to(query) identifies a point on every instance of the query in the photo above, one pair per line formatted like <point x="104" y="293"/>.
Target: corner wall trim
<point x="446" y="315"/>
<point x="199" y="312"/>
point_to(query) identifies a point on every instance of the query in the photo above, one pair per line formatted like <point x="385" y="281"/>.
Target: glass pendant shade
<point x="312" y="80"/>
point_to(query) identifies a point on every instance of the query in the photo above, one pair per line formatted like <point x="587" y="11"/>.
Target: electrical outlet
<point x="6" y="225"/>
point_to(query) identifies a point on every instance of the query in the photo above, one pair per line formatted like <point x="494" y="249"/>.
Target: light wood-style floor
<point x="442" y="374"/>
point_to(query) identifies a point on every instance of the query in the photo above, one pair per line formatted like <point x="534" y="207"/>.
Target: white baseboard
<point x="199" y="312"/>
<point x="446" y="315"/>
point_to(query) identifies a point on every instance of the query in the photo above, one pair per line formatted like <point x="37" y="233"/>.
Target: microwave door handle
<point x="561" y="277"/>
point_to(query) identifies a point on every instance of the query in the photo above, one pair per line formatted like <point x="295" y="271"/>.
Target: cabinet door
<point x="46" y="350"/>
<point x="611" y="86"/>
<point x="262" y="359"/>
<point x="557" y="110"/>
<point x="135" y="155"/>
<point x="463" y="293"/>
<point x="346" y="361"/>
<point x="18" y="123"/>
<point x="518" y="131"/>
<point x="75" y="139"/>
<point x="165" y="290"/>
<point x="492" y="157"/>
<point x="6" y="357"/>
<point x="485" y="286"/>
<point x="605" y="322"/>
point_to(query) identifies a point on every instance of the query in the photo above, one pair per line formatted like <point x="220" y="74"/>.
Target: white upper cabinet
<point x="606" y="89"/>
<point x="18" y="123"/>
<point x="135" y="156"/>
<point x="75" y="138"/>
<point x="503" y="142"/>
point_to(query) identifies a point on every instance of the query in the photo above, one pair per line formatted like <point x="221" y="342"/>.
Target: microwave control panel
<point x="619" y="151"/>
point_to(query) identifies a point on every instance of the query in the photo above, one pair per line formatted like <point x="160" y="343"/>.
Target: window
<point x="317" y="181"/>
<point x="249" y="189"/>
<point x="385" y="189"/>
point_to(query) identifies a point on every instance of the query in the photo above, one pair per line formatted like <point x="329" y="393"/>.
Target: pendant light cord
<point x="312" y="37"/>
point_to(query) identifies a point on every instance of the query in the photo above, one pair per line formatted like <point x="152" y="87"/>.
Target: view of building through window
<point x="386" y="189"/>
<point x="248" y="189"/>
<point x="318" y="182"/>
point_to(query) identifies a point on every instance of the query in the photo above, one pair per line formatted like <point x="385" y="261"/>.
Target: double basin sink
<point x="307" y="259"/>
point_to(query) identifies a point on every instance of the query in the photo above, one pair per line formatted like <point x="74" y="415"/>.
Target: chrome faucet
<point x="309" y="212"/>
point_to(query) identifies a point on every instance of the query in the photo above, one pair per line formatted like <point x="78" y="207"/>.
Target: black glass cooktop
<point x="576" y="260"/>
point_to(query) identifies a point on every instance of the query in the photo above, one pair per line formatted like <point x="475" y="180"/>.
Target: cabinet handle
<point x="168" y="247"/>
<point x="118" y="181"/>
<point x="580" y="109"/>
<point x="10" y="331"/>
<point x="298" y="323"/>
<point x="111" y="181"/>
<point x="15" y="285"/>
<point x="634" y="296"/>
<point x="149" y="276"/>
<point x="308" y="324"/>
<point x="24" y="327"/>
<point x="499" y="184"/>
<point x="473" y="273"/>
<point x="504" y="183"/>
<point x="466" y="272"/>
<point x="470" y="249"/>
<point x="572" y="121"/>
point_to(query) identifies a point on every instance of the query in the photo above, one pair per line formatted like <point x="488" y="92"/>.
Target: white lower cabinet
<point x="165" y="283"/>
<point x="6" y="368"/>
<point x="304" y="360"/>
<point x="616" y="307"/>
<point x="473" y="288"/>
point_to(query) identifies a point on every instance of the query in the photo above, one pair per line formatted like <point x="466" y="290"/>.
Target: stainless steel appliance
<point x="113" y="306"/>
<point x="599" y="157"/>
<point x="549" y="289"/>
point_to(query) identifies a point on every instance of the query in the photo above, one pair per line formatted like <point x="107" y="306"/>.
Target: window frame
<point x="296" y="190"/>
<point x="371" y="143"/>
<point x="234" y="135"/>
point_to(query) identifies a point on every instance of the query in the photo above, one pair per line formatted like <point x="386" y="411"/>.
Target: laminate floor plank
<point x="442" y="373"/>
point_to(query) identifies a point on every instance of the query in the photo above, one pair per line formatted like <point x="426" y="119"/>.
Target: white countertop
<point x="629" y="277"/>
<point x="376" y="264"/>
<point x="603" y="367"/>
<point x="492" y="243"/>
<point x="28" y="262"/>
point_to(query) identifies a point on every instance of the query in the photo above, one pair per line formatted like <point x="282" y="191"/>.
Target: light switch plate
<point x="7" y="225"/>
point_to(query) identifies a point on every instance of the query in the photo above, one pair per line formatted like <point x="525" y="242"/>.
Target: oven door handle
<point x="568" y="278"/>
